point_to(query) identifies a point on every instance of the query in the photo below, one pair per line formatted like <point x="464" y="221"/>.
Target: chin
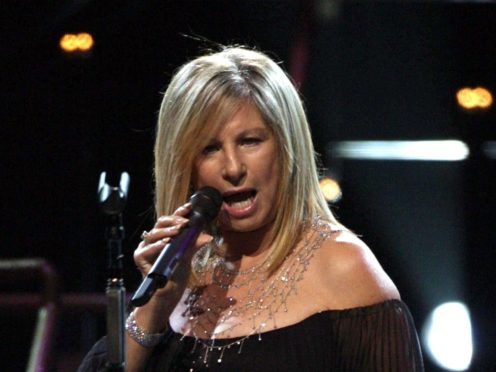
<point x="242" y="226"/>
<point x="238" y="227"/>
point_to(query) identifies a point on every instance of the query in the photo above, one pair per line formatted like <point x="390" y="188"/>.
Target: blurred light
<point x="331" y="189"/>
<point x="474" y="99"/>
<point x="447" y="336"/>
<point x="447" y="150"/>
<point x="82" y="42"/>
<point x="328" y="10"/>
<point x="68" y="42"/>
<point x="489" y="149"/>
<point x="85" y="41"/>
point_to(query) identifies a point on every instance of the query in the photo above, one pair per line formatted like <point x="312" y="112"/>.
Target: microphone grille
<point x="207" y="201"/>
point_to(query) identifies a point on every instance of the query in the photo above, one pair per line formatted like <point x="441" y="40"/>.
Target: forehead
<point x="229" y="114"/>
<point x="246" y="118"/>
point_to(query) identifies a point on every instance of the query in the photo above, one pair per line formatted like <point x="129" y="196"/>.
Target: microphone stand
<point x="112" y="201"/>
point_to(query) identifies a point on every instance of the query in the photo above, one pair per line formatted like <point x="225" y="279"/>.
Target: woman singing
<point x="275" y="283"/>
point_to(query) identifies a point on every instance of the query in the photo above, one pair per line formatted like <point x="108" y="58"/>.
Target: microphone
<point x="206" y="204"/>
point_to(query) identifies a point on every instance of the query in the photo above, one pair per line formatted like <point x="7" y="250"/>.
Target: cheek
<point x="275" y="174"/>
<point x="202" y="175"/>
<point x="273" y="162"/>
<point x="272" y="171"/>
<point x="196" y="177"/>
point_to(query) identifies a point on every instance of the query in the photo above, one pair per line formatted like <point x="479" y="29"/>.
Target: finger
<point x="166" y="221"/>
<point x="145" y="250"/>
<point x="164" y="227"/>
<point x="183" y="210"/>
<point x="146" y="254"/>
<point x="156" y="234"/>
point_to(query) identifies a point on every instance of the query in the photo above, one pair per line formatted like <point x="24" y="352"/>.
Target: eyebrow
<point x="261" y="131"/>
<point x="258" y="131"/>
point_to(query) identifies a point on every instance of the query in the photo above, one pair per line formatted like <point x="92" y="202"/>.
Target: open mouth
<point x="240" y="200"/>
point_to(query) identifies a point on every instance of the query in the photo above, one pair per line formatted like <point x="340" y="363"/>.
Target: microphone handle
<point x="167" y="261"/>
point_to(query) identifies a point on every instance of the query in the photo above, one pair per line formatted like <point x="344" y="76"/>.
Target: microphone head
<point x="207" y="202"/>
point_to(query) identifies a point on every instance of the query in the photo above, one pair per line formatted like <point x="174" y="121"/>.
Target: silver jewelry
<point x="141" y="336"/>
<point x="264" y="296"/>
<point x="144" y="235"/>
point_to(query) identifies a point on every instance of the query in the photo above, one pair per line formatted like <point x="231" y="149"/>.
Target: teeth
<point x="241" y="204"/>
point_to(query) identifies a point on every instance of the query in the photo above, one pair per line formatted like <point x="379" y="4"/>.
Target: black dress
<point x="379" y="337"/>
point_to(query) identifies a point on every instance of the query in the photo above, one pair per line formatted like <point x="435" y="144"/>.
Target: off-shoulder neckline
<point x="332" y="314"/>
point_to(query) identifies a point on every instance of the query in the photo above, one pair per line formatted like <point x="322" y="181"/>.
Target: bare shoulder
<point x="349" y="274"/>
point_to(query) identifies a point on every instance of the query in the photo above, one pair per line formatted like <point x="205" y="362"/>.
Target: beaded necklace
<point x="213" y="317"/>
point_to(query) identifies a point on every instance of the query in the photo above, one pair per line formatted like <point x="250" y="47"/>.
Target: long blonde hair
<point x="201" y="96"/>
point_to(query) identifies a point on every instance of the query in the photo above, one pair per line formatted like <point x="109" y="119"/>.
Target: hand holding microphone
<point x="180" y="234"/>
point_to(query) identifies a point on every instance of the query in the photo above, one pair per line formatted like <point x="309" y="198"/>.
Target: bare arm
<point x="154" y="316"/>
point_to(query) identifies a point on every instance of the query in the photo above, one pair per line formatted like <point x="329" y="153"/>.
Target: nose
<point x="234" y="169"/>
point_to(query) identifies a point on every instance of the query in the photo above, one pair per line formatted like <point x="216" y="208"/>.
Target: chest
<point x="294" y="348"/>
<point x="229" y="305"/>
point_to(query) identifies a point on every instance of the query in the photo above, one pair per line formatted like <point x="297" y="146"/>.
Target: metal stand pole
<point x="112" y="201"/>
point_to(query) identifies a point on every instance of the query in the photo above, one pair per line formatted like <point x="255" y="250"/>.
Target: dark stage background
<point x="367" y="70"/>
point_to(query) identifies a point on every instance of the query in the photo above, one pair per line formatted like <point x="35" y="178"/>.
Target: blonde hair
<point x="202" y="95"/>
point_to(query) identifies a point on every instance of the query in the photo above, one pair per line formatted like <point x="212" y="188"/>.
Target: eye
<point x="251" y="141"/>
<point x="210" y="149"/>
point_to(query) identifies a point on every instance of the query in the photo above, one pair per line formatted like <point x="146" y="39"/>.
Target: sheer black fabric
<point x="379" y="337"/>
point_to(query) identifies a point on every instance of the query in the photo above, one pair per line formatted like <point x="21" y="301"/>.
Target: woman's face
<point x="241" y="161"/>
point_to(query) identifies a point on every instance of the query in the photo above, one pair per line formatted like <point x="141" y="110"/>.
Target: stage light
<point x="85" y="41"/>
<point x="442" y="150"/>
<point x="68" y="43"/>
<point x="447" y="336"/>
<point x="82" y="42"/>
<point x="474" y="99"/>
<point x="331" y="189"/>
